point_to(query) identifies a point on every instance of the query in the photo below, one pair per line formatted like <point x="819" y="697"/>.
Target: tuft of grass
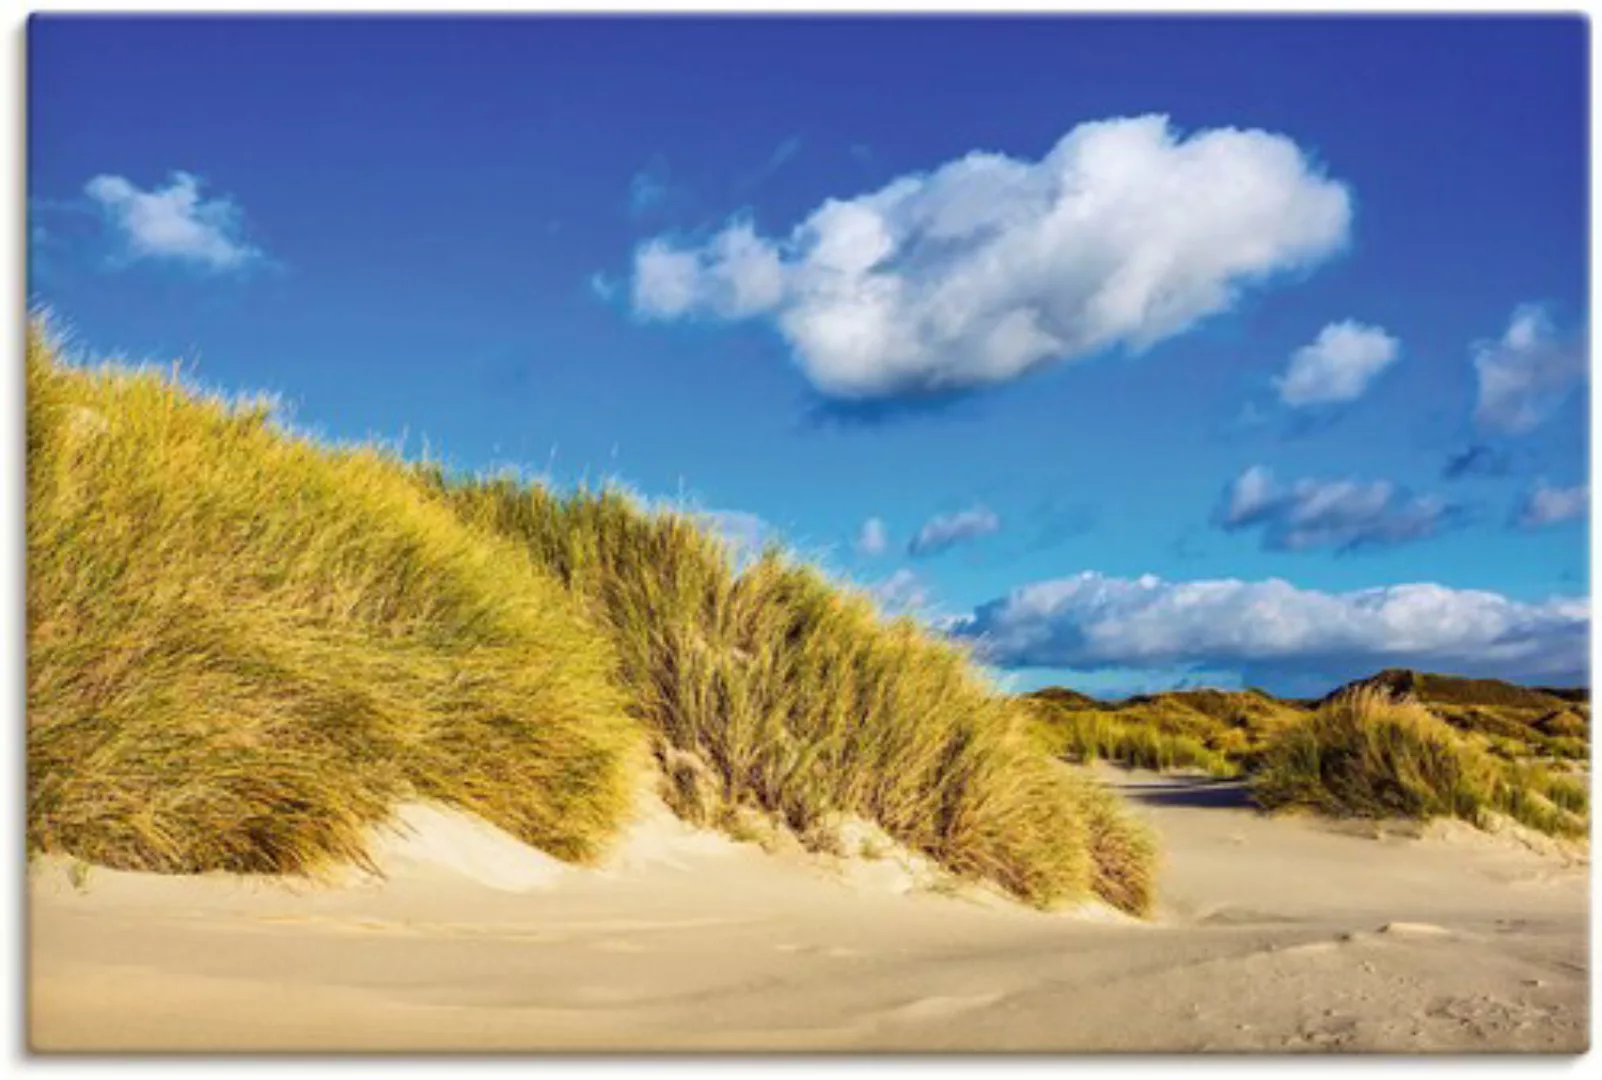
<point x="1123" y="851"/>
<point x="244" y="648"/>
<point x="802" y="701"/>
<point x="1366" y="754"/>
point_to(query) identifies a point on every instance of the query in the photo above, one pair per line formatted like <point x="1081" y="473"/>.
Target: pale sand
<point x="1273" y="934"/>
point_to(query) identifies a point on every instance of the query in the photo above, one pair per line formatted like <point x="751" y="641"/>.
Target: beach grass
<point x="1366" y="753"/>
<point x="244" y="647"/>
<point x="773" y="688"/>
<point x="247" y="646"/>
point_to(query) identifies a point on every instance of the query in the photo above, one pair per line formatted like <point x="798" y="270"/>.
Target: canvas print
<point x="625" y="535"/>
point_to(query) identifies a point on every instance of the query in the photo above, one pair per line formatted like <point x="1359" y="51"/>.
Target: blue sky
<point x="1159" y="351"/>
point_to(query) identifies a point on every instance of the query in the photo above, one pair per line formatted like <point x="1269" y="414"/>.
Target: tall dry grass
<point x="244" y="648"/>
<point x="774" y="689"/>
<point x="1366" y="754"/>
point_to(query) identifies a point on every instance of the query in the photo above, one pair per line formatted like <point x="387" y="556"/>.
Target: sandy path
<point x="1275" y="934"/>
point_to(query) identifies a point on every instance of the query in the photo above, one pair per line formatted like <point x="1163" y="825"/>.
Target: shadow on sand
<point x="1200" y="792"/>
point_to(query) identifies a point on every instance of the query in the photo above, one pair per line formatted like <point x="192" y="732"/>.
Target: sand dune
<point x="1273" y="934"/>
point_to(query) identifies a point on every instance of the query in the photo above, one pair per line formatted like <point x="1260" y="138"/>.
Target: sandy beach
<point x="1276" y="934"/>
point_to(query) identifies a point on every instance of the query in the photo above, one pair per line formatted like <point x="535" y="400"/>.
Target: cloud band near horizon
<point x="1271" y="631"/>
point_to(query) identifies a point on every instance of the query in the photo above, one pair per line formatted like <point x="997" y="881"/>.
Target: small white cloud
<point x="902" y="593"/>
<point x="1338" y="365"/>
<point x="1526" y="374"/>
<point x="1548" y="505"/>
<point x="1271" y="630"/>
<point x="665" y="280"/>
<point x="1341" y="514"/>
<point x="873" y="538"/>
<point x="947" y="530"/>
<point x="173" y="222"/>
<point x="1124" y="234"/>
<point x="734" y="276"/>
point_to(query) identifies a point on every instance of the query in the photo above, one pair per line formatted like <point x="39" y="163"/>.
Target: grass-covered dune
<point x="1399" y="743"/>
<point x="1220" y="732"/>
<point x="246" y="647"/>
<point x="1512" y="722"/>
<point x="1365" y="753"/>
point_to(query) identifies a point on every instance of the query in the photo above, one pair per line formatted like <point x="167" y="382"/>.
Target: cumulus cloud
<point x="736" y="275"/>
<point x="1341" y="514"/>
<point x="1526" y="374"/>
<point x="1547" y="505"/>
<point x="173" y="222"/>
<point x="873" y="538"/>
<point x="1126" y="233"/>
<point x="1338" y="365"/>
<point x="1271" y="631"/>
<point x="947" y="530"/>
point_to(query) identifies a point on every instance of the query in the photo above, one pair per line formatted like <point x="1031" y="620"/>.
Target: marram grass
<point x="782" y="692"/>
<point x="246" y="647"/>
<point x="1366" y="754"/>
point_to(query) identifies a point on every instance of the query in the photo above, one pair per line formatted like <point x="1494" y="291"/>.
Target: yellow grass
<point x="775" y="689"/>
<point x="245" y="647"/>
<point x="1220" y="732"/>
<point x="1367" y="754"/>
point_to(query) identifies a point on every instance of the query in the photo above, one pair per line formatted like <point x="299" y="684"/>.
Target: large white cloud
<point x="1340" y="514"/>
<point x="173" y="222"/>
<point x="1271" y="630"/>
<point x="1124" y="234"/>
<point x="1526" y="374"/>
<point x="1338" y="365"/>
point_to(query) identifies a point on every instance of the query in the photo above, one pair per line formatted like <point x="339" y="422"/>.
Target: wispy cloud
<point x="873" y="538"/>
<point x="747" y="534"/>
<point x="1340" y="514"/>
<point x="173" y="222"/>
<point x="944" y="531"/>
<point x="1124" y="234"/>
<point x="1338" y="366"/>
<point x="603" y="286"/>
<point x="1547" y="505"/>
<point x="1476" y="459"/>
<point x="902" y="593"/>
<point x="1525" y="375"/>
<point x="1271" y="631"/>
<point x="649" y="188"/>
<point x="782" y="155"/>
